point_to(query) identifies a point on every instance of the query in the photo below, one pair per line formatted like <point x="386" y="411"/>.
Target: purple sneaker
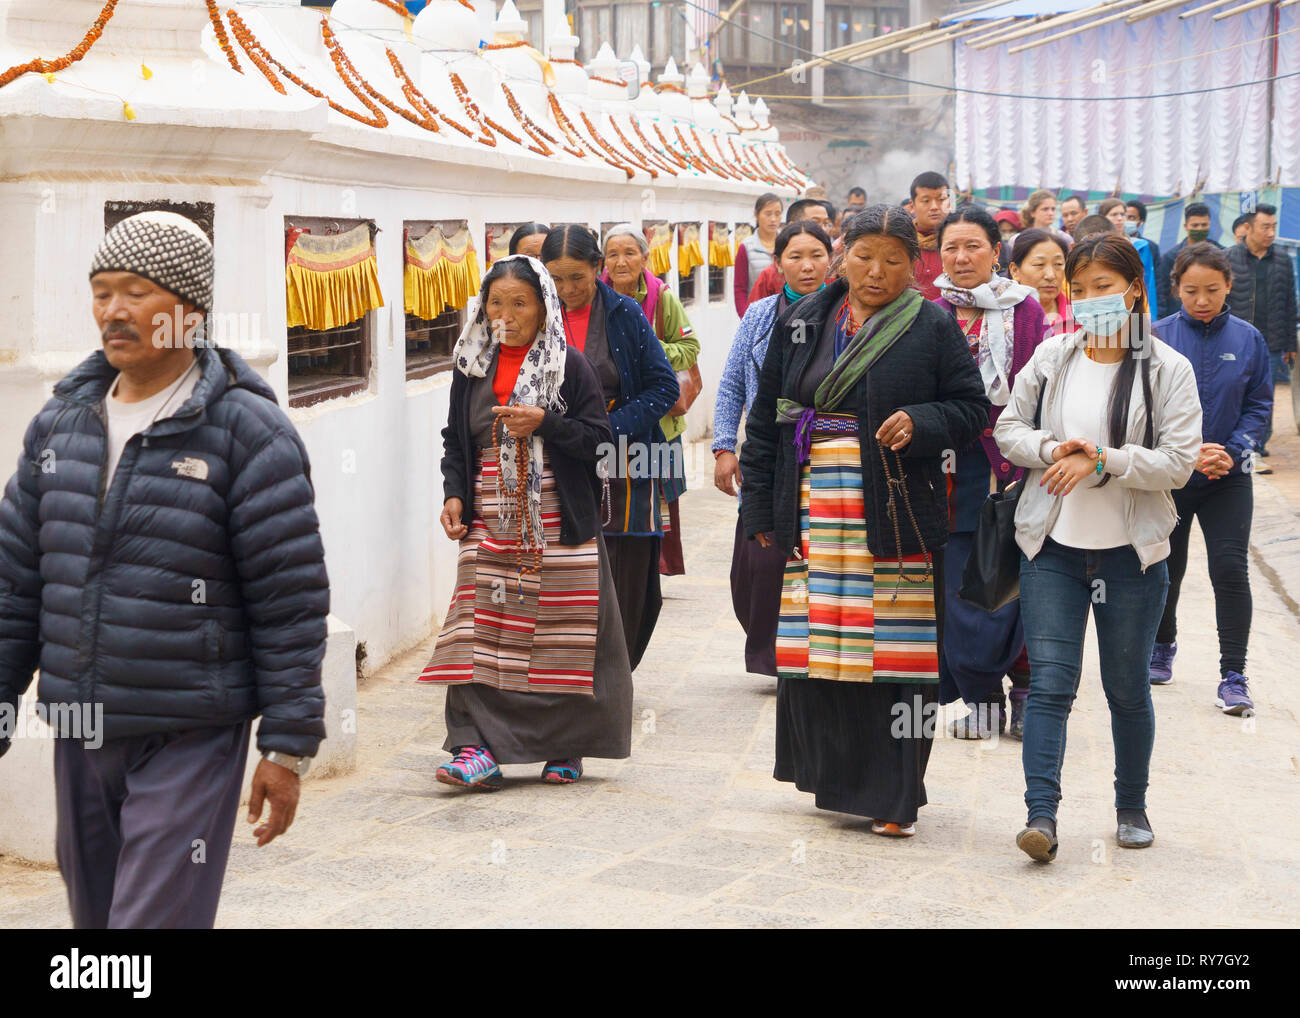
<point x="1162" y="663"/>
<point x="1234" y="697"/>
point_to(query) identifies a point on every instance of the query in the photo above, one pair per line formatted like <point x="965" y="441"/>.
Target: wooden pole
<point x="1150" y="10"/>
<point x="1241" y="9"/>
<point x="1074" y="31"/>
<point x="1043" y="24"/>
<point x="947" y="34"/>
<point x="1199" y="10"/>
<point x="867" y="47"/>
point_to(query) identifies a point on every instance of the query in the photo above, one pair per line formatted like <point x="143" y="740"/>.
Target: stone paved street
<point x="693" y="831"/>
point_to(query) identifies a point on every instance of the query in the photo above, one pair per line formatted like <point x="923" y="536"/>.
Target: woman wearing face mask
<point x="1117" y="212"/>
<point x="639" y="386"/>
<point x="864" y="385"/>
<point x="755" y="253"/>
<point x="626" y="253"/>
<point x="1230" y="359"/>
<point x="552" y="682"/>
<point x="1038" y="261"/>
<point x="1108" y="421"/>
<point x="1003" y="326"/>
<point x="803" y="251"/>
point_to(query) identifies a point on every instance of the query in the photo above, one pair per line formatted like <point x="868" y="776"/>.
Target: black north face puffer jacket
<point x="193" y="593"/>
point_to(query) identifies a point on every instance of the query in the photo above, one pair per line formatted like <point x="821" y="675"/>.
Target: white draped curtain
<point x="1286" y="100"/>
<point x="1148" y="146"/>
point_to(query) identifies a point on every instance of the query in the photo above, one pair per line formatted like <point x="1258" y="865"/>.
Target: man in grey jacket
<point x="161" y="562"/>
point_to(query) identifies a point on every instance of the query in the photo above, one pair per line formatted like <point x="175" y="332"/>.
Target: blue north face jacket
<point x="191" y="594"/>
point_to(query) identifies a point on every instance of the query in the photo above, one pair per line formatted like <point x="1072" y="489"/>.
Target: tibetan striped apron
<point x="544" y="643"/>
<point x="839" y="617"/>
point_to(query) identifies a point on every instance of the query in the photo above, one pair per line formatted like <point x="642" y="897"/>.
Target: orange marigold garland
<point x="417" y="98"/>
<point x="716" y="167"/>
<point x="223" y="40"/>
<point x="683" y="162"/>
<point x="667" y="153"/>
<point x="256" y="50"/>
<point x="395" y="7"/>
<point x="471" y="109"/>
<point x="646" y="156"/>
<point x="574" y="148"/>
<point x="420" y="118"/>
<point x="614" y="159"/>
<point x="68" y="59"/>
<point x="538" y="136"/>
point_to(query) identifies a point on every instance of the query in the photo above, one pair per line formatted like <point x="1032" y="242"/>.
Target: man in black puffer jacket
<point x="161" y="563"/>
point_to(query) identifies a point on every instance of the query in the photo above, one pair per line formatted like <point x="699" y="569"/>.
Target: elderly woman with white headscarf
<point x="1003" y="324"/>
<point x="532" y="649"/>
<point x="626" y="256"/>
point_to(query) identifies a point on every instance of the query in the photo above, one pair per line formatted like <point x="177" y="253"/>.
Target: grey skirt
<point x="520" y="728"/>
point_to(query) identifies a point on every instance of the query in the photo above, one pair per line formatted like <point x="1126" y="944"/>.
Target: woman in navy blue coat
<point x="639" y="387"/>
<point x="1230" y="360"/>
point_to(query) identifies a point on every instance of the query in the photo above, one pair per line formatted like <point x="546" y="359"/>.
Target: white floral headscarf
<point x="997" y="299"/>
<point x="538" y="384"/>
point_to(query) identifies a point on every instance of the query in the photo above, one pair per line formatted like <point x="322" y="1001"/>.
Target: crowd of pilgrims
<point x="894" y="365"/>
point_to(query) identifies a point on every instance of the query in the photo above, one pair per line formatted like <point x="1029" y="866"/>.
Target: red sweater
<point x="509" y="360"/>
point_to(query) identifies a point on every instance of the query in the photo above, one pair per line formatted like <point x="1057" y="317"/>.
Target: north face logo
<point x="191" y="466"/>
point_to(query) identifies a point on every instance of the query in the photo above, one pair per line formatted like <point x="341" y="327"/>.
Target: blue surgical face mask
<point x="1131" y="227"/>
<point x="1101" y="316"/>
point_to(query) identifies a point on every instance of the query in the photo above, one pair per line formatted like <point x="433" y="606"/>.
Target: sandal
<point x="562" y="772"/>
<point x="892" y="830"/>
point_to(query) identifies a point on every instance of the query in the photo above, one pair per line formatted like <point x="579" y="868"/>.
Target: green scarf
<point x="867" y="347"/>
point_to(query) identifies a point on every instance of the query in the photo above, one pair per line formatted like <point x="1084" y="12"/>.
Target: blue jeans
<point x="1056" y="590"/>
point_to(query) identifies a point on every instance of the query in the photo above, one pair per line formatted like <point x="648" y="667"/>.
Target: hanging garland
<point x="669" y="87"/>
<point x="261" y="56"/>
<point x="714" y="166"/>
<point x="219" y="30"/>
<point x="68" y="59"/>
<point x="614" y="158"/>
<point x="683" y="162"/>
<point x="570" y="132"/>
<point x="471" y="109"/>
<point x="502" y="45"/>
<point x="647" y="156"/>
<point x="419" y="118"/>
<point x="667" y="154"/>
<point x="636" y="158"/>
<point x="534" y="132"/>
<point x="417" y="99"/>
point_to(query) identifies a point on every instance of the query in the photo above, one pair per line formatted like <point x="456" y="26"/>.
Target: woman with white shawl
<point x="1003" y="324"/>
<point x="532" y="648"/>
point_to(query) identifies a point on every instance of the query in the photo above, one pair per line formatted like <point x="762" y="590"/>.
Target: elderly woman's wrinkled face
<point x="877" y="269"/>
<point x="624" y="262"/>
<point x="575" y="281"/>
<point x="531" y="245"/>
<point x="967" y="255"/>
<point x="513" y="311"/>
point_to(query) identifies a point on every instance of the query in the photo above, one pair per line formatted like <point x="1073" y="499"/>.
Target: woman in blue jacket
<point x="1230" y="359"/>
<point x="639" y="386"/>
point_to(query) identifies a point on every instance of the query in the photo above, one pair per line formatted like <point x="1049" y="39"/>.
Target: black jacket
<point x="928" y="372"/>
<point x="1275" y="318"/>
<point x="193" y="594"/>
<point x="571" y="441"/>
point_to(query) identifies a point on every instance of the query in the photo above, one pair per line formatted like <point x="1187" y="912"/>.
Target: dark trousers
<point x="756" y="577"/>
<point x="980" y="647"/>
<point x="1224" y="509"/>
<point x="144" y="826"/>
<point x="1057" y="590"/>
<point x="634" y="563"/>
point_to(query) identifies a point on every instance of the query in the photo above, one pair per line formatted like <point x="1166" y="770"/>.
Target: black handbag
<point x="991" y="578"/>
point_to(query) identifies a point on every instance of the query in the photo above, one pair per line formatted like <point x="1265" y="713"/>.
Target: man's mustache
<point x="118" y="331"/>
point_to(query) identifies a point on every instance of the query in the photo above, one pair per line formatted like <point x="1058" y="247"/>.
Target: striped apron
<point x="544" y="642"/>
<point x="839" y="618"/>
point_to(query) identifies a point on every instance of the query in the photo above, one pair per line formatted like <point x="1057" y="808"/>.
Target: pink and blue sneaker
<point x="1161" y="670"/>
<point x="1234" y="697"/>
<point x="472" y="767"/>
<point x="562" y="772"/>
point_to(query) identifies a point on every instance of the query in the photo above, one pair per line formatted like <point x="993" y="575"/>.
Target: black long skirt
<point x="756" y="575"/>
<point x="860" y="747"/>
<point x="634" y="561"/>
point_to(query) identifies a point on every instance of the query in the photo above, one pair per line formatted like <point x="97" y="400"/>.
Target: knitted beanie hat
<point x="165" y="248"/>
